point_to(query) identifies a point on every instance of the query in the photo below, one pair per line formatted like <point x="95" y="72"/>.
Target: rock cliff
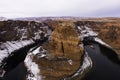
<point x="16" y="36"/>
<point x="65" y="54"/>
<point x="108" y="30"/>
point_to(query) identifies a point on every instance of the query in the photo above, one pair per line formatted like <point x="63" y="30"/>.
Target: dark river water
<point x="103" y="68"/>
<point x="18" y="73"/>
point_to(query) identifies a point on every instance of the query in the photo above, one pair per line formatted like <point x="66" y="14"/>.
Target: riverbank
<point x="83" y="70"/>
<point x="103" y="67"/>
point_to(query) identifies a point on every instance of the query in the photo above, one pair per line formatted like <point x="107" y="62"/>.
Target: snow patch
<point x="38" y="35"/>
<point x="70" y="62"/>
<point x="101" y="42"/>
<point x="81" y="45"/>
<point x="40" y="52"/>
<point x="87" y="62"/>
<point x="36" y="51"/>
<point x="85" y="32"/>
<point x="32" y="67"/>
<point x="88" y="32"/>
<point x="10" y="46"/>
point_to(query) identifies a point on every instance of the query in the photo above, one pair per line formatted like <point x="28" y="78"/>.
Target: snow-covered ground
<point x="32" y="67"/>
<point x="101" y="42"/>
<point x="84" y="31"/>
<point x="6" y="48"/>
<point x="87" y="63"/>
<point x="10" y="46"/>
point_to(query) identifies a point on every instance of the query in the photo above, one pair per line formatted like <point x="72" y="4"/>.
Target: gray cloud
<point x="113" y="11"/>
<point x="37" y="8"/>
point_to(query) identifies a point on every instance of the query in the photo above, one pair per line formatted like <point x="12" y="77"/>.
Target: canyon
<point x="55" y="48"/>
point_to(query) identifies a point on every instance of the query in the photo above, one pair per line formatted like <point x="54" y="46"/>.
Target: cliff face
<point x="63" y="40"/>
<point x="64" y="53"/>
<point x="109" y="31"/>
<point x="16" y="36"/>
<point x="20" y="30"/>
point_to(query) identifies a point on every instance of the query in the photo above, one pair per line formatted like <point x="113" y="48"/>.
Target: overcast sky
<point x="40" y="8"/>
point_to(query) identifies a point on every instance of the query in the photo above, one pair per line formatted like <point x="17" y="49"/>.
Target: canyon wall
<point x="21" y="30"/>
<point x="65" y="54"/>
<point x="109" y="31"/>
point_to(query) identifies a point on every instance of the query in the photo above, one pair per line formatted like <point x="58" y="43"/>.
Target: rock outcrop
<point x="65" y="54"/>
<point x="21" y="30"/>
<point x="16" y="36"/>
<point x="109" y="31"/>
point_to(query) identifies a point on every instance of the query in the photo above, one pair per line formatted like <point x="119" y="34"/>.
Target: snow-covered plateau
<point x="10" y="46"/>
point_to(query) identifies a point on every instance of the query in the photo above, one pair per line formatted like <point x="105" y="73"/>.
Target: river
<point x="18" y="73"/>
<point x="103" y="68"/>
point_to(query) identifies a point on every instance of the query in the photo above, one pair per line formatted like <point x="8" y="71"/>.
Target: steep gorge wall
<point x="20" y="30"/>
<point x="65" y="55"/>
<point x="16" y="38"/>
<point x="109" y="31"/>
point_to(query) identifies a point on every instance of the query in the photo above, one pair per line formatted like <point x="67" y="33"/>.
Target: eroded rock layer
<point x="64" y="53"/>
<point x="109" y="31"/>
